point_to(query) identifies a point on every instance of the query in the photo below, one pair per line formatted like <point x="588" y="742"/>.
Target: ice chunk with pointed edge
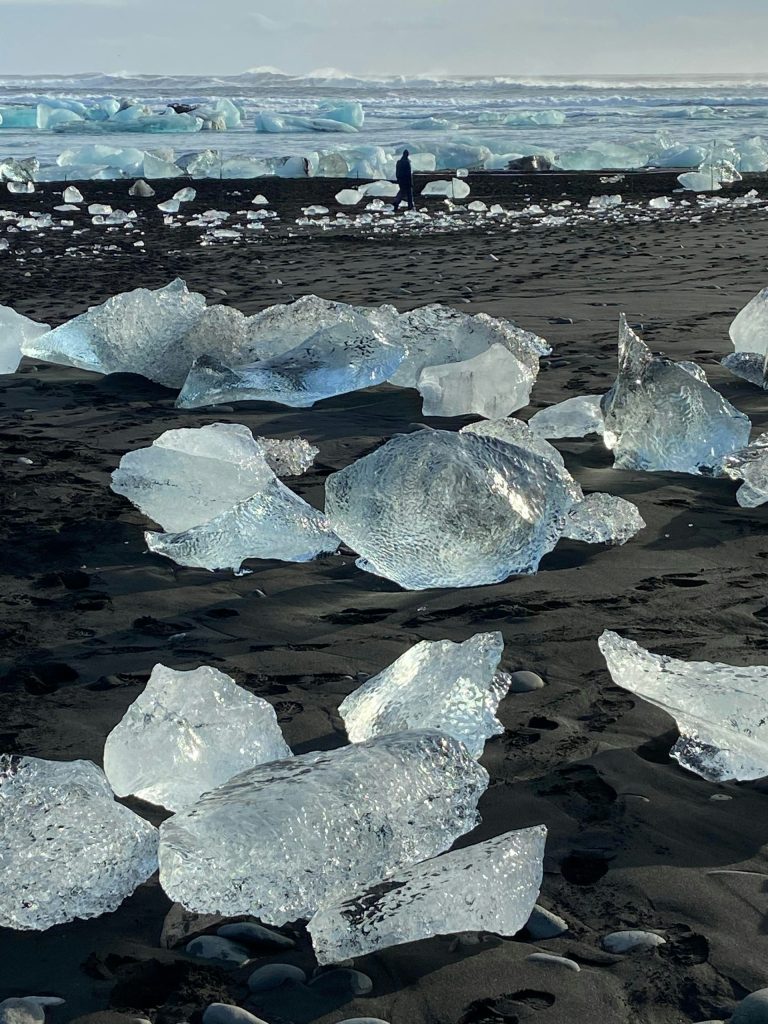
<point x="493" y="384"/>
<point x="141" y="331"/>
<point x="454" y="688"/>
<point x="659" y="416"/>
<point x="350" y="112"/>
<point x="489" y="887"/>
<point x="603" y="519"/>
<point x="751" y="366"/>
<point x="189" y="732"/>
<point x="454" y="188"/>
<point x="72" y="195"/>
<point x="141" y="189"/>
<point x="185" y="195"/>
<point x="19" y="170"/>
<point x="575" y="417"/>
<point x="750" y="464"/>
<point x="16" y="331"/>
<point x="700" y="181"/>
<point x="749" y="330"/>
<point x="438" y="509"/>
<point x="721" y="710"/>
<point x="260" y="843"/>
<point x="67" y="849"/>
<point x="334" y="361"/>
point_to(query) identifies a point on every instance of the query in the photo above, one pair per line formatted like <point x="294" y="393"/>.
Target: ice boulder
<point x="380" y="189"/>
<point x="494" y="384"/>
<point x="67" y="848"/>
<point x="749" y="330"/>
<point x="703" y="180"/>
<point x="453" y="688"/>
<point x="16" y="332"/>
<point x="660" y="417"/>
<point x="454" y="188"/>
<point x="260" y="844"/>
<point x="189" y="732"/>
<point x="721" y="710"/>
<point x="214" y="491"/>
<point x="575" y="417"/>
<point x="72" y="195"/>
<point x="489" y="887"/>
<point x="350" y="112"/>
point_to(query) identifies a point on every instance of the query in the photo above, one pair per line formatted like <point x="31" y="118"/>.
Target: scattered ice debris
<point x="575" y="417"/>
<point x="629" y="941"/>
<point x="452" y="687"/>
<point x="489" y="887"/>
<point x="660" y="203"/>
<point x="749" y="465"/>
<point x="89" y="852"/>
<point x="186" y="733"/>
<point x="71" y="194"/>
<point x="721" y="710"/>
<point x="659" y="416"/>
<point x="21" y="187"/>
<point x="16" y="331"/>
<point x="604" y="202"/>
<point x="454" y="188"/>
<point x="141" y="189"/>
<point x="259" y="844"/>
<point x="212" y="489"/>
<point x="349" y="196"/>
<point x="99" y="209"/>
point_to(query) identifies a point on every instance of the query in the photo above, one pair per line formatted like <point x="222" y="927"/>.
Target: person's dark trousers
<point x="406" y="192"/>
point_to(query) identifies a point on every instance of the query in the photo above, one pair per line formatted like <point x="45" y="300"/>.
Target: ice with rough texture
<point x="214" y="491"/>
<point x="492" y="384"/>
<point x="71" y="194"/>
<point x="438" y="509"/>
<point x="189" y="732"/>
<point x="749" y="330"/>
<point x="751" y="366"/>
<point x="750" y="465"/>
<point x="659" y="416"/>
<point x="16" y="332"/>
<point x="603" y="519"/>
<point x="455" y="188"/>
<point x="721" y="710"/>
<point x="281" y="840"/>
<point x="288" y="458"/>
<point x="452" y="687"/>
<point x="489" y="887"/>
<point x="575" y="417"/>
<point x="334" y="361"/>
<point x="67" y="849"/>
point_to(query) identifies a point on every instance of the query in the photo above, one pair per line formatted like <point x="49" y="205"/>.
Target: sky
<point x="459" y="37"/>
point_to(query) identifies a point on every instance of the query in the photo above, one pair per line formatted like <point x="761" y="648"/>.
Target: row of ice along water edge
<point x="252" y="826"/>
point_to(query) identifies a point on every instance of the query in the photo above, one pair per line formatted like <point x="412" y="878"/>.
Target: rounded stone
<point x="212" y="947"/>
<point x="274" y="975"/>
<point x="543" y="924"/>
<point x="343" y="981"/>
<point x="629" y="941"/>
<point x="525" y="682"/>
<point x="364" y="1020"/>
<point x="223" y="1013"/>
<point x="753" y="1009"/>
<point x="550" y="960"/>
<point x="255" y="935"/>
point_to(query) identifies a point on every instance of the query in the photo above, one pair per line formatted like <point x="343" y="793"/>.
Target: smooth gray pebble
<point x="554" y="961"/>
<point x="543" y="924"/>
<point x="274" y="975"/>
<point x="213" y="947"/>
<point x="525" y="682"/>
<point x="753" y="1009"/>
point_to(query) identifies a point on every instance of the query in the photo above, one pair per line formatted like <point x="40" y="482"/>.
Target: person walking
<point x="404" y="177"/>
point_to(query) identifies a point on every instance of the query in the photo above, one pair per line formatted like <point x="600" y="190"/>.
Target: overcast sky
<point x="515" y="37"/>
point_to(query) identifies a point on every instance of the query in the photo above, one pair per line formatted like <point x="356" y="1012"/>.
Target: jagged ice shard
<point x="721" y="710"/>
<point x="659" y="416"/>
<point x="749" y="465"/>
<point x="575" y="417"/>
<point x="212" y="489"/>
<point x="334" y="361"/>
<point x="67" y="849"/>
<point x="16" y="331"/>
<point x="490" y="887"/>
<point x="187" y="733"/>
<point x="454" y="688"/>
<point x="281" y="840"/>
<point x="749" y="334"/>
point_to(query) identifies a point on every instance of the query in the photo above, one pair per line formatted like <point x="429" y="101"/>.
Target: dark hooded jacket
<point x="403" y="172"/>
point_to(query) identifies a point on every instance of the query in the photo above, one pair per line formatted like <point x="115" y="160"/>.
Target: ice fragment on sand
<point x="749" y="465"/>
<point x="659" y="416"/>
<point x="455" y="188"/>
<point x="751" y="366"/>
<point x="67" y="849"/>
<point x="492" y="384"/>
<point x="288" y="458"/>
<point x="575" y="417"/>
<point x="186" y="733"/>
<point x="490" y="887"/>
<point x="721" y="710"/>
<point x="603" y="519"/>
<point x="16" y="331"/>
<point x="749" y="330"/>
<point x="141" y="189"/>
<point x="349" y="197"/>
<point x="260" y="843"/>
<point x="454" y="688"/>
<point x="72" y="195"/>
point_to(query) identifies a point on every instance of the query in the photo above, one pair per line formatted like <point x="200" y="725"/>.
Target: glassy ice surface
<point x="438" y="509"/>
<point x="453" y="189"/>
<point x="516" y="432"/>
<point x="16" y="331"/>
<point x="494" y="383"/>
<point x="659" y="416"/>
<point x="67" y="849"/>
<point x="603" y="519"/>
<point x="187" y="733"/>
<point x="750" y="465"/>
<point x="749" y="366"/>
<point x="749" y="330"/>
<point x="489" y="887"/>
<point x="451" y="687"/>
<point x="721" y="710"/>
<point x="280" y="840"/>
<point x="334" y="361"/>
<point x="290" y="457"/>
<point x="575" y="417"/>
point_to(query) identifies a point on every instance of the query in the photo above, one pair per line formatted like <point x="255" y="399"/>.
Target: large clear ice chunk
<point x="575" y="417"/>
<point x="721" y="710"/>
<point x="16" y="331"/>
<point x="67" y="849"/>
<point x="281" y="840"/>
<point x="749" y="330"/>
<point x="492" y="384"/>
<point x="490" y="887"/>
<point x="189" y="732"/>
<point x="603" y="519"/>
<point x="659" y="416"/>
<point x="454" y="688"/>
<point x="750" y="465"/>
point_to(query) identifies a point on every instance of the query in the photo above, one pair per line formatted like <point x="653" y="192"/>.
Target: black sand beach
<point x="634" y="841"/>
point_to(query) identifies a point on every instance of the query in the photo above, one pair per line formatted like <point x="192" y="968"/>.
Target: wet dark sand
<point x="634" y="841"/>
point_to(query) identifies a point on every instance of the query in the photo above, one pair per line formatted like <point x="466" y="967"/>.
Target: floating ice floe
<point x="16" y="331"/>
<point x="189" y="732"/>
<point x="489" y="887"/>
<point x="575" y="417"/>
<point x="438" y="509"/>
<point x="213" y="491"/>
<point x="660" y="416"/>
<point x="721" y="710"/>
<point x="67" y="849"/>
<point x="454" y="688"/>
<point x="260" y="843"/>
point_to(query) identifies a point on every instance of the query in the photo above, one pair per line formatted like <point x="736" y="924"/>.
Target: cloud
<point x="64" y="3"/>
<point x="265" y="23"/>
